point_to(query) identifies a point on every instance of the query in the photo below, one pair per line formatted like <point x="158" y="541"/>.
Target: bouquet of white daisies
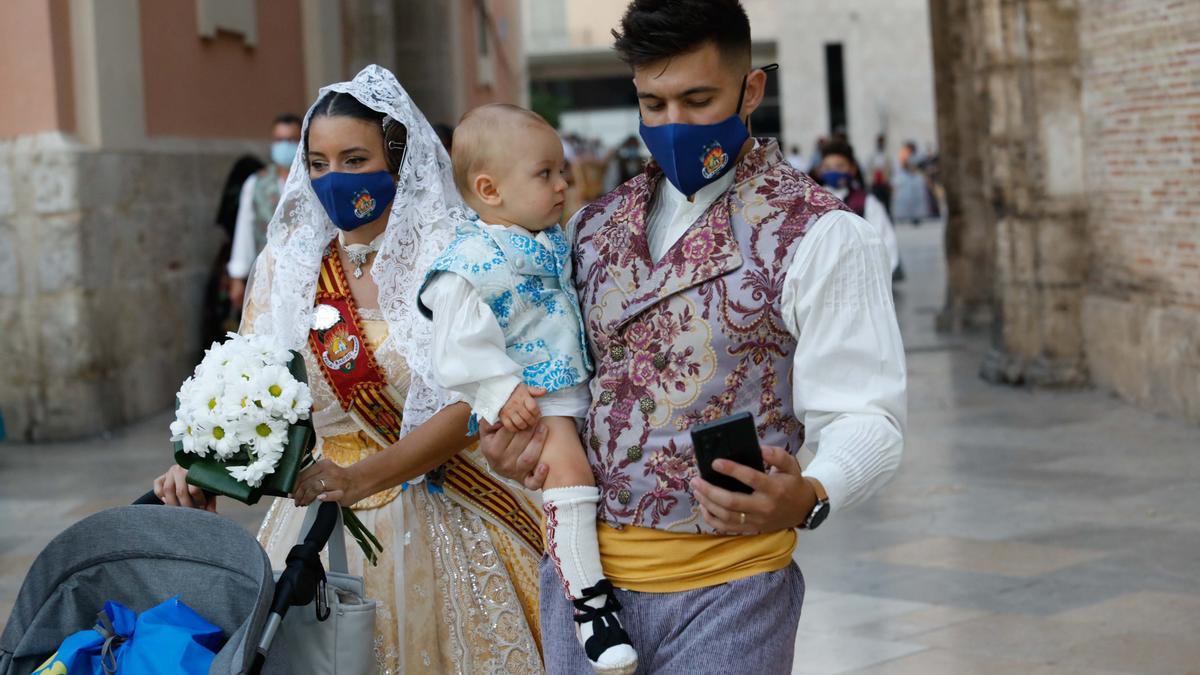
<point x="242" y="424"/>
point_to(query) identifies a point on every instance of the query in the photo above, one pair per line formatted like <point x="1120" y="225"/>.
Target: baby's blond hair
<point x="480" y="136"/>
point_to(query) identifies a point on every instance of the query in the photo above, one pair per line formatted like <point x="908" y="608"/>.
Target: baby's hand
<point x="520" y="412"/>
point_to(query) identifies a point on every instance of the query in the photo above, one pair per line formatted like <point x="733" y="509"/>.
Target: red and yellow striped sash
<point x="344" y="356"/>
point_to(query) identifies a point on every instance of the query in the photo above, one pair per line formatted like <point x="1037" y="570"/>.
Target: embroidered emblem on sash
<point x="341" y="348"/>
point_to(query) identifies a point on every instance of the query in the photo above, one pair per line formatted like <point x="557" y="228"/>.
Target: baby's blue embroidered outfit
<point x="529" y="290"/>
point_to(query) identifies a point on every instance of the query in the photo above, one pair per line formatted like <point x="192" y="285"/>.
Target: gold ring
<point x="743" y="515"/>
<point x="323" y="488"/>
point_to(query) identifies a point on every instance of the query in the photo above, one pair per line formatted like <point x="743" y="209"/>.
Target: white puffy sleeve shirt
<point x="242" y="252"/>
<point x="848" y="372"/>
<point x="468" y="349"/>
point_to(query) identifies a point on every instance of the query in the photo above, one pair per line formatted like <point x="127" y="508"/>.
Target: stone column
<point x="1011" y="125"/>
<point x="961" y="101"/>
<point x="1037" y="191"/>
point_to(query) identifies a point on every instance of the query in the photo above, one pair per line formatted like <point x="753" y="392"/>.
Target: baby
<point x="507" y="326"/>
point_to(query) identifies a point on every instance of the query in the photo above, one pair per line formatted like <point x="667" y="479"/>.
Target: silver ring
<point x="323" y="488"/>
<point x="743" y="515"/>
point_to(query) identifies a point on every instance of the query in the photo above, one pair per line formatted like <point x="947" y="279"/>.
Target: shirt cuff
<point x="832" y="477"/>
<point x="491" y="396"/>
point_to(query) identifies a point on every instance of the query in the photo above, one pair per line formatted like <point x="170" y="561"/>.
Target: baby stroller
<point x="142" y="555"/>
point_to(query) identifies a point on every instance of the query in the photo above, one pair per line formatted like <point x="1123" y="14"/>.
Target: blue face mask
<point x="835" y="179"/>
<point x="355" y="199"/>
<point x="694" y="155"/>
<point x="283" y="152"/>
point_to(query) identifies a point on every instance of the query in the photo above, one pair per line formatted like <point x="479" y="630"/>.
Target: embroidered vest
<point x="529" y="289"/>
<point x="693" y="338"/>
<point x="265" y="199"/>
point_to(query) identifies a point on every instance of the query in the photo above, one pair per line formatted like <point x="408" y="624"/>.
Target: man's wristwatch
<point x="820" y="510"/>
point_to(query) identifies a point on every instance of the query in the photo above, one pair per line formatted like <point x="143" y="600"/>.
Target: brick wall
<point x="1140" y="73"/>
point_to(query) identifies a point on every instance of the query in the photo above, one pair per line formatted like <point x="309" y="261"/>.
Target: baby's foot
<point x="605" y="642"/>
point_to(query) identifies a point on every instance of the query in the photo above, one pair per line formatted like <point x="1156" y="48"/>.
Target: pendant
<point x="358" y="272"/>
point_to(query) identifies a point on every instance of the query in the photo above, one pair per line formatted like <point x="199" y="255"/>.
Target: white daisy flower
<point x="218" y="435"/>
<point x="276" y="389"/>
<point x="268" y="436"/>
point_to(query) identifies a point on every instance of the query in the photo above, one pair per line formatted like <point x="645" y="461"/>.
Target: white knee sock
<point x="571" y="536"/>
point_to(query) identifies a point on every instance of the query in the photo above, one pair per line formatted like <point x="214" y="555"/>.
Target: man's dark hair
<point x="653" y="30"/>
<point x="286" y="118"/>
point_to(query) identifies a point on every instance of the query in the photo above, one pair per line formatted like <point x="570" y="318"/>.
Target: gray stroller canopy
<point x="141" y="556"/>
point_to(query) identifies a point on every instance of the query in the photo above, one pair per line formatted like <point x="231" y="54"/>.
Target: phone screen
<point x="734" y="438"/>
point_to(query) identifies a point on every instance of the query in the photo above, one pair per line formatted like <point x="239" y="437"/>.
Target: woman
<point x="840" y="173"/>
<point x="337" y="282"/>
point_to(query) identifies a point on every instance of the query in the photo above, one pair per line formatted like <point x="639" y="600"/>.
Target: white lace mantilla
<point x="422" y="221"/>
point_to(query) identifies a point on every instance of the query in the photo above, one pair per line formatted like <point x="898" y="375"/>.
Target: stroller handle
<point x="303" y="580"/>
<point x="152" y="499"/>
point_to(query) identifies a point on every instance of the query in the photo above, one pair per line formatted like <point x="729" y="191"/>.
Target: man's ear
<point x="486" y="189"/>
<point x="756" y="89"/>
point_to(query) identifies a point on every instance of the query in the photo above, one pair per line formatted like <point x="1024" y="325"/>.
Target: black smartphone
<point x="734" y="438"/>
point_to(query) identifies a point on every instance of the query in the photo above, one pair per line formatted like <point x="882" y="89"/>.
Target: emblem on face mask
<point x="713" y="160"/>
<point x="364" y="204"/>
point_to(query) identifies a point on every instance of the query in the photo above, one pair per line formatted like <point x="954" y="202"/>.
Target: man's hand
<point x="520" y="411"/>
<point x="515" y="455"/>
<point x="781" y="500"/>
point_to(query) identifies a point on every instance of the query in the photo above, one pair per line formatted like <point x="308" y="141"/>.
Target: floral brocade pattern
<point x="689" y="339"/>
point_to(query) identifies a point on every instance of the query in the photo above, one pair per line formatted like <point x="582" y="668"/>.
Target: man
<point x="719" y="280"/>
<point x="260" y="196"/>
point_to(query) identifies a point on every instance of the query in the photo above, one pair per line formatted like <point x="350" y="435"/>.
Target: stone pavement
<point x="1026" y="532"/>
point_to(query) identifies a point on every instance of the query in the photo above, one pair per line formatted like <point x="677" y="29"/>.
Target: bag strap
<point x="337" y="541"/>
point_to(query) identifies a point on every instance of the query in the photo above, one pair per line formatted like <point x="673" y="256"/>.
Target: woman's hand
<point x="515" y="455"/>
<point x="327" y="482"/>
<point x="173" y="489"/>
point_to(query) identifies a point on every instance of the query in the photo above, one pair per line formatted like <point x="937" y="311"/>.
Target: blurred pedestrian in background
<point x="218" y="314"/>
<point x="259" y="197"/>
<point x="445" y="134"/>
<point x="624" y="162"/>
<point x="841" y="174"/>
<point x="814" y="160"/>
<point x="879" y="166"/>
<point x="909" y="201"/>
<point x="795" y="159"/>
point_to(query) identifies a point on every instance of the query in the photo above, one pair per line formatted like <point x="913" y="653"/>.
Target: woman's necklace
<point x="358" y="253"/>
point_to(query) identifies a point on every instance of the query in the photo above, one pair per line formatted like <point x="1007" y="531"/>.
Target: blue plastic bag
<point x="168" y="638"/>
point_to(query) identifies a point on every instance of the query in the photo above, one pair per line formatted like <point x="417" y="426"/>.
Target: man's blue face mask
<point x="283" y="152"/>
<point x="694" y="155"/>
<point x="355" y="199"/>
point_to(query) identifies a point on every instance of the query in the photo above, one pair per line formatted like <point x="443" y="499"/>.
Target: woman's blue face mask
<point x="355" y="199"/>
